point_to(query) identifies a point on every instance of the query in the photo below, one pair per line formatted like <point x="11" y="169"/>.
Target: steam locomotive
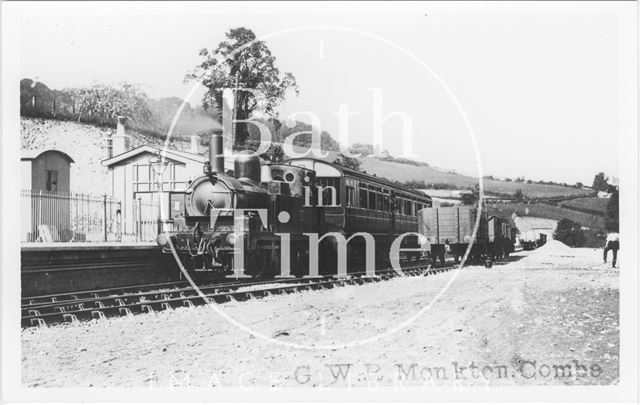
<point x="261" y="220"/>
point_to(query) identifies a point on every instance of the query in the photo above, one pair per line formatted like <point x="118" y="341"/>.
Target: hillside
<point x="593" y="225"/>
<point x="404" y="172"/>
<point x="590" y="205"/>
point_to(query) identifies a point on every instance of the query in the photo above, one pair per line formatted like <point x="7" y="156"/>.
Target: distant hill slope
<point x="589" y="205"/>
<point x="593" y="224"/>
<point x="404" y="172"/>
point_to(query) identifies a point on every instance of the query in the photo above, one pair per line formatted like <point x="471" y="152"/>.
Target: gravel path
<point x="513" y="324"/>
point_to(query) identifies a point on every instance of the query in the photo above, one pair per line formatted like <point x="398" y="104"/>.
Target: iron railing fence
<point x="49" y="216"/>
<point x="74" y="217"/>
<point x="145" y="219"/>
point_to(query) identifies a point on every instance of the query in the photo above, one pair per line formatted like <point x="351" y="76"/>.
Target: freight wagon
<point x="532" y="239"/>
<point x="450" y="230"/>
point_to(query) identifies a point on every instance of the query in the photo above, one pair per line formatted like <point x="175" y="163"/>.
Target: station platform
<point x="53" y="268"/>
<point x="37" y="246"/>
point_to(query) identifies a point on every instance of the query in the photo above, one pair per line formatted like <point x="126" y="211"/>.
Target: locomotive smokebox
<point x="247" y="166"/>
<point x="216" y="154"/>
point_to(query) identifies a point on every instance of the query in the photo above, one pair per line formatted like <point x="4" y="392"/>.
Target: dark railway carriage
<point x="349" y="202"/>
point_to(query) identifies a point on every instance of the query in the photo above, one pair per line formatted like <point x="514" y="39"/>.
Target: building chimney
<point x="119" y="141"/>
<point x="195" y="139"/>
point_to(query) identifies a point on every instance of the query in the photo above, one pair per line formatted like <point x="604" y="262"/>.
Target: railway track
<point x="85" y="305"/>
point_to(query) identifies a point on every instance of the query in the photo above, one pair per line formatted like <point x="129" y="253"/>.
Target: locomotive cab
<point x="210" y="232"/>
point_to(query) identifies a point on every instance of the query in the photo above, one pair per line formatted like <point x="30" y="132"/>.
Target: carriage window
<point x="407" y="207"/>
<point x="372" y="200"/>
<point x="381" y="202"/>
<point x="329" y="184"/>
<point x="363" y="199"/>
<point x="385" y="203"/>
<point x="351" y="196"/>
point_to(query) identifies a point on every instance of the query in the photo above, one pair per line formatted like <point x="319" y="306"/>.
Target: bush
<point x="570" y="233"/>
<point x="612" y="217"/>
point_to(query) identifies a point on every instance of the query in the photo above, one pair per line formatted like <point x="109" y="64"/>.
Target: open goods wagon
<point x="450" y="230"/>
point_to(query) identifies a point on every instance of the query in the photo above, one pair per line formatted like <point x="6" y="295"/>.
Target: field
<point x="593" y="225"/>
<point x="588" y="204"/>
<point x="540" y="210"/>
<point x="403" y="172"/>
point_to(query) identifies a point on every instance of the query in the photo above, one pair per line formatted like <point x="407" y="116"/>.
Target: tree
<point x="242" y="61"/>
<point x="103" y="103"/>
<point x="518" y="196"/>
<point x="600" y="182"/>
<point x="348" y="162"/>
<point x="472" y="197"/>
<point x="612" y="214"/>
<point x="570" y="233"/>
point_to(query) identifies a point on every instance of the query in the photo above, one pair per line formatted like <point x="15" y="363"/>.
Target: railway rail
<point x="85" y="305"/>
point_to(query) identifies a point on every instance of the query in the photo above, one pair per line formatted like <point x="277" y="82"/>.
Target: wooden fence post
<point x="119" y="222"/>
<point x="138" y="219"/>
<point x="104" y="216"/>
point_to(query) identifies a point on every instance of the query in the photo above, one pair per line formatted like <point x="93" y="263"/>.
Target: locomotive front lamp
<point x="232" y="238"/>
<point x="162" y="241"/>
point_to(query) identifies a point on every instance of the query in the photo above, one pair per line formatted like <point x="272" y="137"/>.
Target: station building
<point x="45" y="178"/>
<point x="144" y="177"/>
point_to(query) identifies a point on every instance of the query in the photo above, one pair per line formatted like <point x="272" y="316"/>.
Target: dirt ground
<point x="549" y="318"/>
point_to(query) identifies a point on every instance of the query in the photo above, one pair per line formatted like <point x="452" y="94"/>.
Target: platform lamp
<point x="159" y="165"/>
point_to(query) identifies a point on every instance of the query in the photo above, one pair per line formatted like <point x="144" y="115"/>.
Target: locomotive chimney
<point x="216" y="154"/>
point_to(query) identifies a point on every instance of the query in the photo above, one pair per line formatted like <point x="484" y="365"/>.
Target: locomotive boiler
<point x="233" y="224"/>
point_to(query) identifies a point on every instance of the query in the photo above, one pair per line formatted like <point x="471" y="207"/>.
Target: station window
<point x="52" y="180"/>
<point x="145" y="179"/>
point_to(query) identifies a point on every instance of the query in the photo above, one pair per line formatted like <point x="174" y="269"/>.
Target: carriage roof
<point x="326" y="169"/>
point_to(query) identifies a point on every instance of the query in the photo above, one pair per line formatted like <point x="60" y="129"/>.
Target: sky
<point x="535" y="89"/>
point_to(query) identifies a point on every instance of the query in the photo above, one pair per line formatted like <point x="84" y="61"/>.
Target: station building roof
<point x="172" y="154"/>
<point x="33" y="154"/>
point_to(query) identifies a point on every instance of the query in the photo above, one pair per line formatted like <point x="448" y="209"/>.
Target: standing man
<point x="613" y="243"/>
